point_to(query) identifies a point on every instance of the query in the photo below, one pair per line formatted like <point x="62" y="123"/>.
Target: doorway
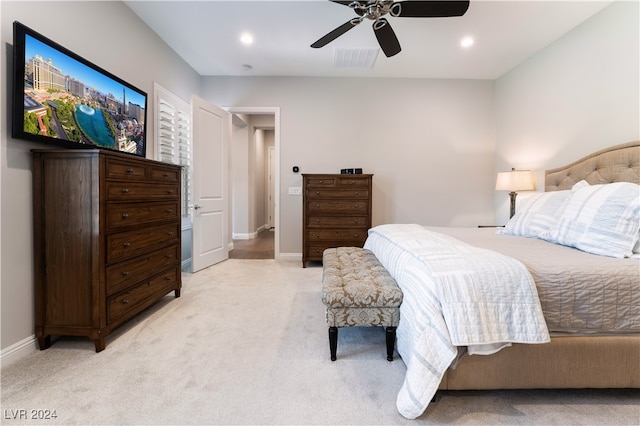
<point x="260" y="247"/>
<point x="254" y="182"/>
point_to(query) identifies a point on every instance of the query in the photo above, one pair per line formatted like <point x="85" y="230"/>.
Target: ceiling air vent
<point x="355" y="58"/>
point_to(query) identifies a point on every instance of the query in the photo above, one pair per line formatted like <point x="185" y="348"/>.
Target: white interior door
<point x="211" y="132"/>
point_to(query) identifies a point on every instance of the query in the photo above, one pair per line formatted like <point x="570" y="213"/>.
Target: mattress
<point x="579" y="292"/>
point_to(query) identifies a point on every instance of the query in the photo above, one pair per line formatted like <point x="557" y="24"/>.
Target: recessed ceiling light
<point x="246" y="38"/>
<point x="466" y="42"/>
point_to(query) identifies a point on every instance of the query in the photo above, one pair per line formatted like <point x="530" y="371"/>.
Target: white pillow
<point x="536" y="215"/>
<point x="600" y="219"/>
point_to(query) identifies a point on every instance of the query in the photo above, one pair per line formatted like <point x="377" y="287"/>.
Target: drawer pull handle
<point x="357" y="192"/>
<point x="170" y="233"/>
<point x="317" y="220"/>
<point x="125" y="301"/>
<point x="125" y="215"/>
<point x="321" y="181"/>
<point x="125" y="273"/>
<point x="127" y="244"/>
<point x="168" y="256"/>
<point x="129" y="170"/>
<point x="356" y="221"/>
<point x="317" y="192"/>
<point x="317" y="205"/>
<point x="169" y="191"/>
<point x="166" y="175"/>
<point x="125" y="191"/>
<point x="356" y="206"/>
<point x="352" y="182"/>
<point x="169" y="210"/>
<point x="168" y="278"/>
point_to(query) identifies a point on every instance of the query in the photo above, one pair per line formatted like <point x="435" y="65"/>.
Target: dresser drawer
<point x="119" y="215"/>
<point x="137" y="191"/>
<point x="316" y="249"/>
<point x="353" y="182"/>
<point x="358" y="234"/>
<point x="338" y="181"/>
<point x="322" y="182"/>
<point x="121" y="169"/>
<point x="338" y="206"/>
<point x="346" y="194"/>
<point x="123" y="274"/>
<point x="127" y="301"/>
<point x="123" y="245"/>
<point x="338" y="222"/>
<point x="160" y="174"/>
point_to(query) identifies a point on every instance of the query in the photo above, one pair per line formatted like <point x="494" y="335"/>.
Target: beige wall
<point x="430" y="143"/>
<point x="577" y="96"/>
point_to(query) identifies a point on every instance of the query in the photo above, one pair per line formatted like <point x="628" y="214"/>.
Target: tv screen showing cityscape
<point x="61" y="98"/>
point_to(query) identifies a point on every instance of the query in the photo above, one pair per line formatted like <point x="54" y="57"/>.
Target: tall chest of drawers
<point x="106" y="240"/>
<point x="336" y="212"/>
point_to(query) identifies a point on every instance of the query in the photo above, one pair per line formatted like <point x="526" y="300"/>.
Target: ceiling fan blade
<point x="429" y="9"/>
<point x="386" y="37"/>
<point x="328" y="38"/>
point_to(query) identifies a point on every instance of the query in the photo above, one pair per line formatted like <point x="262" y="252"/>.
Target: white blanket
<point x="454" y="294"/>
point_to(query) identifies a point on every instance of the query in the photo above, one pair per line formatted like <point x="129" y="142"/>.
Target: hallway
<point x="261" y="247"/>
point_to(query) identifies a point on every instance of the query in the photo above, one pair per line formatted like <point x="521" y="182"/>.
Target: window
<point x="173" y="137"/>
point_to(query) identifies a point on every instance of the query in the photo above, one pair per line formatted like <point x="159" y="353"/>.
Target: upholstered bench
<point x="358" y="291"/>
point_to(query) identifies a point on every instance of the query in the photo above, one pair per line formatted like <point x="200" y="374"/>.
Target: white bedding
<point x="454" y="295"/>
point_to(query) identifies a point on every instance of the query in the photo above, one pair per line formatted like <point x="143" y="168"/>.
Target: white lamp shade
<point x="514" y="181"/>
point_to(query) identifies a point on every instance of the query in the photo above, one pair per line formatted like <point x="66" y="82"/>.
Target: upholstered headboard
<point x="619" y="163"/>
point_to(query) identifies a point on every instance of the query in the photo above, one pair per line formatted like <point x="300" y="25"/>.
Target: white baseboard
<point x="18" y="350"/>
<point x="248" y="235"/>
<point x="290" y="257"/>
<point x="185" y="266"/>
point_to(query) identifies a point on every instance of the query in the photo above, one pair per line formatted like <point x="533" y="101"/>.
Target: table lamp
<point x="515" y="180"/>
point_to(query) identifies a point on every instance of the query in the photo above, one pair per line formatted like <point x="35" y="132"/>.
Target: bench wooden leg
<point x="391" y="342"/>
<point x="333" y="342"/>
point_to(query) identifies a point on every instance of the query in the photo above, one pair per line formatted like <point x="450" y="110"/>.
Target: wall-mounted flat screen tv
<point x="61" y="98"/>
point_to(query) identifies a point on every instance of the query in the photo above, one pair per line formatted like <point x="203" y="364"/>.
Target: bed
<point x="588" y="297"/>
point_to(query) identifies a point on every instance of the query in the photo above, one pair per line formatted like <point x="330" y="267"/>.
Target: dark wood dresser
<point x="336" y="212"/>
<point x="106" y="240"/>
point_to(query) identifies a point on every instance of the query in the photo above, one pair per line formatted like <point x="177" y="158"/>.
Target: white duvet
<point x="454" y="295"/>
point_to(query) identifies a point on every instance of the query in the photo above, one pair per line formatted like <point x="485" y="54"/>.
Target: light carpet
<point x="247" y="344"/>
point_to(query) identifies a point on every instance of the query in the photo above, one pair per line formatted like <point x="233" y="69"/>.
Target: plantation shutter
<point x="173" y="130"/>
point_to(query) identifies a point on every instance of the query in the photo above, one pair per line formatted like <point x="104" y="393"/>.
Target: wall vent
<point x="354" y="58"/>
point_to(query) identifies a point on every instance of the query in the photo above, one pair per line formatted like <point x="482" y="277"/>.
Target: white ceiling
<point x="206" y="34"/>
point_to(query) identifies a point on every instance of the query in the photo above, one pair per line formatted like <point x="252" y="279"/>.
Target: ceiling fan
<point x="376" y="10"/>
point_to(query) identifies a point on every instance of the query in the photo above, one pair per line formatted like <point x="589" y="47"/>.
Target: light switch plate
<point x="295" y="190"/>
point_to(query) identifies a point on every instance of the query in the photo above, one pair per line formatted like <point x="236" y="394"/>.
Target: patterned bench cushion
<point x="354" y="278"/>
